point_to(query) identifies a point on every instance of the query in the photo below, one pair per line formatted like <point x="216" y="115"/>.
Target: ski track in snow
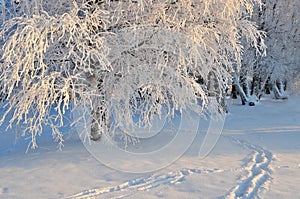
<point x="257" y="173"/>
<point x="144" y="183"/>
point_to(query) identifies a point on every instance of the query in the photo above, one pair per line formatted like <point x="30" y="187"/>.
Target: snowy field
<point x="257" y="156"/>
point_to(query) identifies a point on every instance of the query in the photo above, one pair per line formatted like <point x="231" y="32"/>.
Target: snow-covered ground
<point x="257" y="156"/>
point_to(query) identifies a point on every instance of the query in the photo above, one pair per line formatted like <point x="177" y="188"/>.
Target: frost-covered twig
<point x="120" y="58"/>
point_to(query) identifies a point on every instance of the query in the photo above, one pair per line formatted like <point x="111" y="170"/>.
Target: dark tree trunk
<point x="256" y="85"/>
<point x="240" y="89"/>
<point x="234" y="93"/>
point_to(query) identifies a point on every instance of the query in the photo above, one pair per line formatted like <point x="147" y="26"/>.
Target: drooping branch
<point x="125" y="58"/>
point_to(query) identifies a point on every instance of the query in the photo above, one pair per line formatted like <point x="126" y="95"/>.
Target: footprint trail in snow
<point x="255" y="178"/>
<point x="145" y="183"/>
<point x="256" y="175"/>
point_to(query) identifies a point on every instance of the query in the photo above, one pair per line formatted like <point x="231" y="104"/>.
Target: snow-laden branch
<point x="121" y="58"/>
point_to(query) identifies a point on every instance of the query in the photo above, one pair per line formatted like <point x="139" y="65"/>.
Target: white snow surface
<point x="257" y="156"/>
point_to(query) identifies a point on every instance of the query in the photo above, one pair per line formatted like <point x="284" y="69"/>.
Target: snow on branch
<point x="120" y="57"/>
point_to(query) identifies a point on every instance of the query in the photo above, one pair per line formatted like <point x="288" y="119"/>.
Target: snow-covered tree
<point x="120" y="58"/>
<point x="281" y="21"/>
<point x="279" y="69"/>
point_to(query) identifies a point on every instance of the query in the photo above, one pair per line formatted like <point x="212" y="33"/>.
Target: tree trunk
<point x="96" y="132"/>
<point x="240" y="90"/>
<point x="256" y="85"/>
<point x="99" y="114"/>
<point x="234" y="92"/>
<point x="278" y="89"/>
